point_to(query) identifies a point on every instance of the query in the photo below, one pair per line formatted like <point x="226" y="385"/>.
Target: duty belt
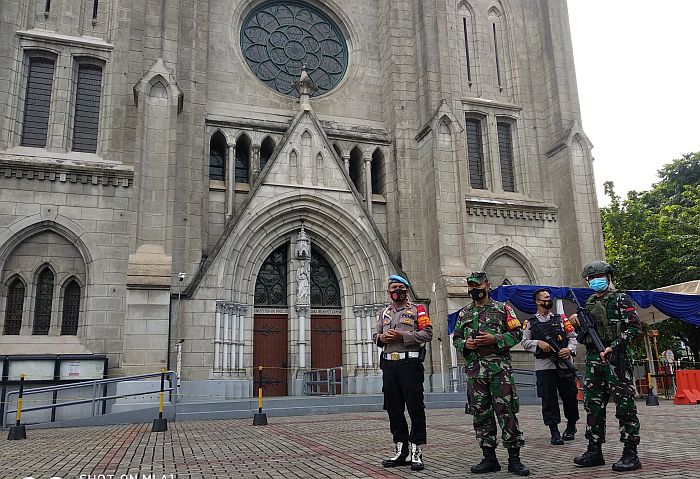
<point x="401" y="355"/>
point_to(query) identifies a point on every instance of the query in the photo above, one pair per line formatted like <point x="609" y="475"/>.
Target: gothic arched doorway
<point x="326" y="321"/>
<point x="270" y="328"/>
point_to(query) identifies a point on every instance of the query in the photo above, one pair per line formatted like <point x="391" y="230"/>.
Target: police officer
<point x="484" y="333"/>
<point x="552" y="374"/>
<point x="402" y="330"/>
<point x="616" y="322"/>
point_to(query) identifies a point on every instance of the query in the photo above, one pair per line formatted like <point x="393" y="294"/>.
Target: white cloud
<point x="637" y="69"/>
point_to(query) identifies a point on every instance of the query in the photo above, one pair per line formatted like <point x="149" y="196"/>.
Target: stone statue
<point x="302" y="286"/>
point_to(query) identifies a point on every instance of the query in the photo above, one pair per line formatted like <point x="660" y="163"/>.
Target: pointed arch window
<point x="475" y="153"/>
<point x="14" y="307"/>
<point x="217" y="156"/>
<point x="266" y="149"/>
<point x="86" y="118"/>
<point x="325" y="292"/>
<point x="37" y="103"/>
<point x="466" y="31"/>
<point x="243" y="159"/>
<point x="505" y="151"/>
<point x="71" y="309"/>
<point x="378" y="172"/>
<point x="43" y="302"/>
<point x="271" y="283"/>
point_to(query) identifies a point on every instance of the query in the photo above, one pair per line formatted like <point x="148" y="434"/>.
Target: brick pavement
<point x="333" y="446"/>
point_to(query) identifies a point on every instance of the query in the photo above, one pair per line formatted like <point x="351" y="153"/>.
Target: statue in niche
<point x="302" y="286"/>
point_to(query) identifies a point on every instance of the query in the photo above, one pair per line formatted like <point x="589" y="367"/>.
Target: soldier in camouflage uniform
<point x="607" y="373"/>
<point x="484" y="333"/>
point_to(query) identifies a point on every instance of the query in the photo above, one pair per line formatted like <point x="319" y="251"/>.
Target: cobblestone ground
<point x="337" y="446"/>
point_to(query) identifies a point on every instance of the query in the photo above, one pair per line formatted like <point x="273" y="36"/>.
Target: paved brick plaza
<point x="347" y="445"/>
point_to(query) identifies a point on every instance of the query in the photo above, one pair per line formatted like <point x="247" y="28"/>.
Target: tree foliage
<point x="652" y="239"/>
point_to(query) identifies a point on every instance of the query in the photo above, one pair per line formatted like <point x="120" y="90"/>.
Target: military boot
<point x="514" y="464"/>
<point x="489" y="463"/>
<point x="417" y="457"/>
<point x="556" y="437"/>
<point x="592" y="457"/>
<point x="629" y="460"/>
<point x="569" y="432"/>
<point x="399" y="458"/>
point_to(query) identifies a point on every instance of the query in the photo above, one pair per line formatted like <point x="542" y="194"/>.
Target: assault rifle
<point x="555" y="348"/>
<point x="587" y="327"/>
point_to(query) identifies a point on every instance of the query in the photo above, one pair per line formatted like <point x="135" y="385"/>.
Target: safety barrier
<point x="687" y="386"/>
<point x="323" y="382"/>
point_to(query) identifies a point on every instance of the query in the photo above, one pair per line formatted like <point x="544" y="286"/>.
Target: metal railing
<point x="98" y="388"/>
<point x="323" y="382"/>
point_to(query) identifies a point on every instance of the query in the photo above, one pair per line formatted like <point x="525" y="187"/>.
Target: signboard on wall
<point x="81" y="369"/>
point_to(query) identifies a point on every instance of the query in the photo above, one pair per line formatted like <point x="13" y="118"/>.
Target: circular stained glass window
<point x="279" y="37"/>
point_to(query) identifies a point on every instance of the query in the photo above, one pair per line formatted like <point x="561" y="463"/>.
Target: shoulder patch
<point x="512" y="321"/>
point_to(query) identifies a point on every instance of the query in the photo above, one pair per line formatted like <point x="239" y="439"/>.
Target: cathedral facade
<point x="215" y="185"/>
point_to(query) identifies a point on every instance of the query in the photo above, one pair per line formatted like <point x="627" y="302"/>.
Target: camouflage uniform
<point x="490" y="384"/>
<point x="616" y="323"/>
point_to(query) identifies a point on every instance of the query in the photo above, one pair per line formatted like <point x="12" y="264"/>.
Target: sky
<point x="638" y="73"/>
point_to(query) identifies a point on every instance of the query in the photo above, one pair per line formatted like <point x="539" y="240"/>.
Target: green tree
<point x="652" y="239"/>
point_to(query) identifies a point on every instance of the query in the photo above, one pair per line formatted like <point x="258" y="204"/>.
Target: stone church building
<point x="235" y="179"/>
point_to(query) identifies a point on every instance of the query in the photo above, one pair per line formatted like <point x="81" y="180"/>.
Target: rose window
<point x="279" y="38"/>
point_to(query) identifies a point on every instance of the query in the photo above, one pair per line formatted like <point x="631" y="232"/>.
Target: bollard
<point x="652" y="400"/>
<point x="18" y="431"/>
<point x="260" y="418"/>
<point x="161" y="424"/>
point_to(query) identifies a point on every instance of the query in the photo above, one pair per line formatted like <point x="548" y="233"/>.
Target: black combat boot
<point x="556" y="437"/>
<point x="489" y="463"/>
<point x="514" y="464"/>
<point x="569" y="432"/>
<point x="399" y="458"/>
<point x="629" y="460"/>
<point x="592" y="457"/>
<point x="417" y="457"/>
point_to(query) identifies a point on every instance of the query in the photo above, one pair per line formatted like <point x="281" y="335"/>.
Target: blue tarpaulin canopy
<point x="682" y="306"/>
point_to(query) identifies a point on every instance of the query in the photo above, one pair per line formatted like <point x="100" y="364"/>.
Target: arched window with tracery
<point x="243" y="159"/>
<point x="71" y="309"/>
<point x="325" y="292"/>
<point x="266" y="149"/>
<point x="43" y="302"/>
<point x="14" y="307"/>
<point x="271" y="283"/>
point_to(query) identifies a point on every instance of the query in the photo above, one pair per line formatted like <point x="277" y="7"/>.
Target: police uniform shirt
<point x="411" y="321"/>
<point x="530" y="344"/>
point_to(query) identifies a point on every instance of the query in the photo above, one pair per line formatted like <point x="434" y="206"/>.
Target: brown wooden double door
<point x="271" y="352"/>
<point x="326" y="345"/>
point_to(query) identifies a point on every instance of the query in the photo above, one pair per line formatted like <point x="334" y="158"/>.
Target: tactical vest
<point x="607" y="314"/>
<point x="553" y="327"/>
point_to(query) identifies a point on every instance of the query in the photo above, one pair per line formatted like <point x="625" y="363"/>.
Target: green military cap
<point x="477" y="277"/>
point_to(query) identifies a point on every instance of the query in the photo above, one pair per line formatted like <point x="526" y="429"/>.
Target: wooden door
<point x="270" y="351"/>
<point x="327" y="345"/>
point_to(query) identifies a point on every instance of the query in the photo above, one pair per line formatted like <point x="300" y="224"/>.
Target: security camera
<point x="181" y="276"/>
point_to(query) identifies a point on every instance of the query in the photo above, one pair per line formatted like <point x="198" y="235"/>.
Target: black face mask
<point x="398" y="295"/>
<point x="477" y="294"/>
<point x="547" y="304"/>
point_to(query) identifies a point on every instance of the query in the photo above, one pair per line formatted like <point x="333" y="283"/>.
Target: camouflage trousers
<point x="493" y="393"/>
<point x="601" y="383"/>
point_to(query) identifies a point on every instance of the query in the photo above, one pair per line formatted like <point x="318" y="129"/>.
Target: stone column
<point x="217" y="337"/>
<point x="231" y="178"/>
<point x="346" y="162"/>
<point x="234" y="334"/>
<point x="302" y="314"/>
<point x="241" y="339"/>
<point x="368" y="183"/>
<point x="358" y="334"/>
<point x="255" y="158"/>
<point x="227" y="342"/>
<point x="368" y="323"/>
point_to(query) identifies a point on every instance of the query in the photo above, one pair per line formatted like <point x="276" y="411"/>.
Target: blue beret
<point x="395" y="278"/>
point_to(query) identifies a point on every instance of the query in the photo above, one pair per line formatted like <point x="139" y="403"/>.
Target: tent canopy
<point x="680" y="301"/>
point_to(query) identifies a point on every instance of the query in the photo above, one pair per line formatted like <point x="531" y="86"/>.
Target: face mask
<point x="477" y="294"/>
<point x="598" y="284"/>
<point x="398" y="295"/>
<point x="547" y="304"/>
